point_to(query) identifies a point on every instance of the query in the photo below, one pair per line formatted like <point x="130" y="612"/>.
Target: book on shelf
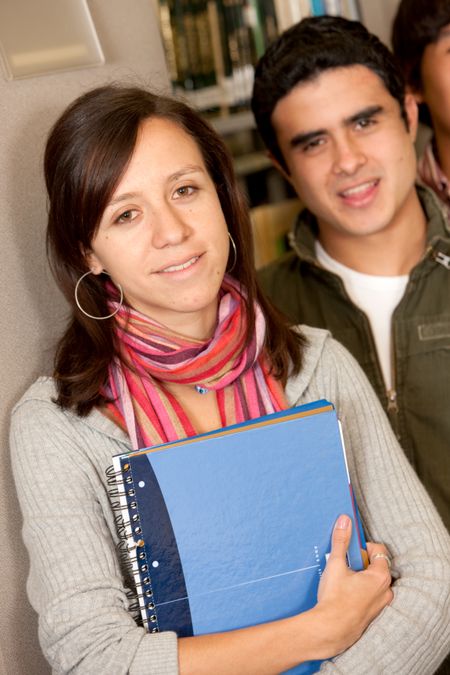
<point x="187" y="43"/>
<point x="351" y="10"/>
<point x="317" y="7"/>
<point x="289" y="12"/>
<point x="212" y="46"/>
<point x="333" y="7"/>
<point x="232" y="528"/>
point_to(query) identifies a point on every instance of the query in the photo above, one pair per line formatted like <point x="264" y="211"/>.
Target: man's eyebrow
<point x="303" y="139"/>
<point x="370" y="111"/>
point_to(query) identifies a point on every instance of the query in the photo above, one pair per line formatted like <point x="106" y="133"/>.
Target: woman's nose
<point x="169" y="228"/>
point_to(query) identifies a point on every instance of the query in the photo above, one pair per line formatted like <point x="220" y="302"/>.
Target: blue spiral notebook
<point x="232" y="528"/>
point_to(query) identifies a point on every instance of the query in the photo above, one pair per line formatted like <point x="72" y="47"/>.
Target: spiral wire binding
<point x="131" y="551"/>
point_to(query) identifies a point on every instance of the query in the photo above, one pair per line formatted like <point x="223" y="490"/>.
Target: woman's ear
<point x="92" y="261"/>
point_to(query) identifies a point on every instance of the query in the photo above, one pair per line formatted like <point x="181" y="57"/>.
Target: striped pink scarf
<point x="432" y="175"/>
<point x="238" y="374"/>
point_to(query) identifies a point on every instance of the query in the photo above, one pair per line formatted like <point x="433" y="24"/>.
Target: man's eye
<point x="365" y="123"/>
<point x="312" y="145"/>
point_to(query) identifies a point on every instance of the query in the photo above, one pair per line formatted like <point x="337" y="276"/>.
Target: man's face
<point x="435" y="75"/>
<point x="348" y="152"/>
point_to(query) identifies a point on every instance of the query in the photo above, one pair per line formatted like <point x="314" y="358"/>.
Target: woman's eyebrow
<point x="122" y="197"/>
<point x="191" y="168"/>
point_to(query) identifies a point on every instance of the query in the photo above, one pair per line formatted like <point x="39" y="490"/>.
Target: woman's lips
<point x="179" y="267"/>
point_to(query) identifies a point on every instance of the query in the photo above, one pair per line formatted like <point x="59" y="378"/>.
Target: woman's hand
<point x="348" y="601"/>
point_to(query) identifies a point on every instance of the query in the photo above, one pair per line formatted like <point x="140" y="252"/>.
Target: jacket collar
<point x="304" y="233"/>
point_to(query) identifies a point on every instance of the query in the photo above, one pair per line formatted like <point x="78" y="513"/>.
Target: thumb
<point x="341" y="537"/>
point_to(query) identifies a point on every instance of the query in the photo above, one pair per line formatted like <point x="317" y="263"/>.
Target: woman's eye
<point x="126" y="216"/>
<point x="184" y="191"/>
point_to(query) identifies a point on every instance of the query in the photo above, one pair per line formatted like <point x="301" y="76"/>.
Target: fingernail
<point x="342" y="522"/>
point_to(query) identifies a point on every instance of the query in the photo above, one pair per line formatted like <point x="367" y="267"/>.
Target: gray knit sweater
<point x="79" y="590"/>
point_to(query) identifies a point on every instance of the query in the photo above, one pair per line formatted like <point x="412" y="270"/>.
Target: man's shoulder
<point x="283" y="268"/>
<point x="436" y="212"/>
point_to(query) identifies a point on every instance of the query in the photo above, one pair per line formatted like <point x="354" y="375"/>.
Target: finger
<point x="373" y="548"/>
<point x="381" y="559"/>
<point x="341" y="537"/>
<point x="378" y="555"/>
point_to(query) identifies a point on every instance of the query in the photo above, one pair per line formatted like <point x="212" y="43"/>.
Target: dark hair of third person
<point x="417" y="24"/>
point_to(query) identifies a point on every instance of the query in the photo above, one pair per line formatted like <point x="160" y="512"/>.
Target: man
<point x="371" y="252"/>
<point x="421" y="43"/>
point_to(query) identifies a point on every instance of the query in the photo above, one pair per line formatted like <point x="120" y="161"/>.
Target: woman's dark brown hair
<point x="86" y="155"/>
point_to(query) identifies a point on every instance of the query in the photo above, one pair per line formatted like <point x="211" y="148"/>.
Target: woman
<point x="145" y="220"/>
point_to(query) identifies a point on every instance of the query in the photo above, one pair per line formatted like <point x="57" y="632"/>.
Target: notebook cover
<point x="231" y="528"/>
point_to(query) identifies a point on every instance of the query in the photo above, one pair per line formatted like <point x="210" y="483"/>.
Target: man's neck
<point x="393" y="251"/>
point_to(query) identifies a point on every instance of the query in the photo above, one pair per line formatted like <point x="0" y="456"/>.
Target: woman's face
<point x="163" y="235"/>
<point x="435" y="74"/>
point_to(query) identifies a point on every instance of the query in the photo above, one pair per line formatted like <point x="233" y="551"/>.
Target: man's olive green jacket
<point x="419" y="403"/>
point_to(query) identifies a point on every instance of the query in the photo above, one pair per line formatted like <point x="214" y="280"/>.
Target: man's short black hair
<point x="309" y="48"/>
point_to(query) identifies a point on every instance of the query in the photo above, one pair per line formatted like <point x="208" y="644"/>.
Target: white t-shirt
<point x="377" y="296"/>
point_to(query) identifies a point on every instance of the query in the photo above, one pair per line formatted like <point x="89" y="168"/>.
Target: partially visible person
<point x="421" y="44"/>
<point x="371" y="253"/>
<point x="169" y="335"/>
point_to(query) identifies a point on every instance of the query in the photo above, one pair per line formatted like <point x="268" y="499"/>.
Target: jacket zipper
<point x="392" y="406"/>
<point x="392" y="403"/>
<point x="442" y="259"/>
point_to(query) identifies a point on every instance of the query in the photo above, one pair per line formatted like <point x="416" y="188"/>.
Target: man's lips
<point x="360" y="191"/>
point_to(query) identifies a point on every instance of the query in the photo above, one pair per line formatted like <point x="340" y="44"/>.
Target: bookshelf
<point x="211" y="48"/>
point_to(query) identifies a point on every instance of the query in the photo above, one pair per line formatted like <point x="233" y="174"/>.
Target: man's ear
<point x="284" y="172"/>
<point x="414" y="92"/>
<point x="412" y="114"/>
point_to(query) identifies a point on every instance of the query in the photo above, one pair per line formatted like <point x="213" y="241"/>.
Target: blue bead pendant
<point x="201" y="390"/>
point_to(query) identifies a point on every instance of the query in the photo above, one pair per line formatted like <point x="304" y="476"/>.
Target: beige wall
<point x="378" y="15"/>
<point x="32" y="311"/>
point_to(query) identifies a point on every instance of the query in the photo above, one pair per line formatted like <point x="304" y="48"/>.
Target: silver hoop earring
<point x="91" y="316"/>
<point x="233" y="246"/>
